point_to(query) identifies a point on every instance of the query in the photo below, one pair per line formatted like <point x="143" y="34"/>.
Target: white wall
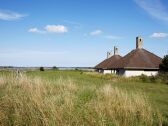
<point x="107" y="71"/>
<point x="100" y="71"/>
<point x="129" y="73"/>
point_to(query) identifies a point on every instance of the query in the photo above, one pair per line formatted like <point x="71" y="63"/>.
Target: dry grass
<point x="37" y="101"/>
<point x="114" y="77"/>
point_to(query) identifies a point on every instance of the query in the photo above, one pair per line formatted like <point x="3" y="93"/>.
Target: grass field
<point x="80" y="98"/>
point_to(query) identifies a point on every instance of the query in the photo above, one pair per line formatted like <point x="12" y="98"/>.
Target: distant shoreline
<point x="47" y="68"/>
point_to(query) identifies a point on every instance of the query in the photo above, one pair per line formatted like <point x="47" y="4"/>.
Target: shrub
<point x="144" y="78"/>
<point x="164" y="65"/>
<point x="163" y="77"/>
<point x="159" y="78"/>
<point x="55" y="68"/>
<point x="41" y="68"/>
<point x="76" y="69"/>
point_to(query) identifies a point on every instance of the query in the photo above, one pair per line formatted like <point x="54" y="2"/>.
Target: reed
<point x="37" y="101"/>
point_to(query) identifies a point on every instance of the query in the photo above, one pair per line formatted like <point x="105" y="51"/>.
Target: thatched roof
<point x="139" y="59"/>
<point x="110" y="62"/>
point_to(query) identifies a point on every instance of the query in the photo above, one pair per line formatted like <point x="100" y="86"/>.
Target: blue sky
<point x="78" y="32"/>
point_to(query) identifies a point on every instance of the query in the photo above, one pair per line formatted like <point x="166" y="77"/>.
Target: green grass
<point x="157" y="93"/>
<point x="86" y="105"/>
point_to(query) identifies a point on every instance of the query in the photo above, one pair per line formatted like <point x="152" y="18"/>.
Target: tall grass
<point x="36" y="101"/>
<point x="159" y="78"/>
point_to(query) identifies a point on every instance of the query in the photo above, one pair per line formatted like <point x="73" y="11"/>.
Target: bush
<point x="144" y="78"/>
<point x="55" y="68"/>
<point x="41" y="68"/>
<point x="164" y="65"/>
<point x="163" y="77"/>
<point x="76" y="69"/>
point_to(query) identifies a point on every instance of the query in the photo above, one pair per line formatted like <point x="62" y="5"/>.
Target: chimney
<point x="139" y="42"/>
<point x="115" y="50"/>
<point x="109" y="54"/>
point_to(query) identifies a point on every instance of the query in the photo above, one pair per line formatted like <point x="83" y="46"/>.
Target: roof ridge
<point x="152" y="53"/>
<point x="136" y="58"/>
<point x="99" y="65"/>
<point x="139" y="58"/>
<point x="106" y="62"/>
<point x="129" y="54"/>
<point x="146" y="56"/>
<point x="111" y="62"/>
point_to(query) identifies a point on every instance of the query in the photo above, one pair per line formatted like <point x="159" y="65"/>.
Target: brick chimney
<point x="116" y="50"/>
<point x="109" y="54"/>
<point x="139" y="42"/>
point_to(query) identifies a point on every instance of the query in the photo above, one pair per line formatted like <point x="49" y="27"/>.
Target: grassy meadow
<point x="73" y="98"/>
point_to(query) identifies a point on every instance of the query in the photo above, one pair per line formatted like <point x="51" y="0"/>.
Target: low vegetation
<point x="41" y="68"/>
<point x="72" y="98"/>
<point x="55" y="68"/>
<point x="160" y="78"/>
<point x="164" y="65"/>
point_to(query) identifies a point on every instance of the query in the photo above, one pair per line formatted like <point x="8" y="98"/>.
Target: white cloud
<point x="154" y="8"/>
<point x="33" y="30"/>
<point x="159" y="35"/>
<point x="10" y="15"/>
<point x="100" y="32"/>
<point x="50" y="29"/>
<point x="56" y="28"/>
<point x="96" y="32"/>
<point x="36" y="30"/>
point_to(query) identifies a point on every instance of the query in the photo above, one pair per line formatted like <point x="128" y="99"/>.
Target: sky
<point x="78" y="33"/>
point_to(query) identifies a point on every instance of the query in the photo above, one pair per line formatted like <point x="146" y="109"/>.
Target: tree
<point x="55" y="68"/>
<point x="164" y="65"/>
<point x="41" y="68"/>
